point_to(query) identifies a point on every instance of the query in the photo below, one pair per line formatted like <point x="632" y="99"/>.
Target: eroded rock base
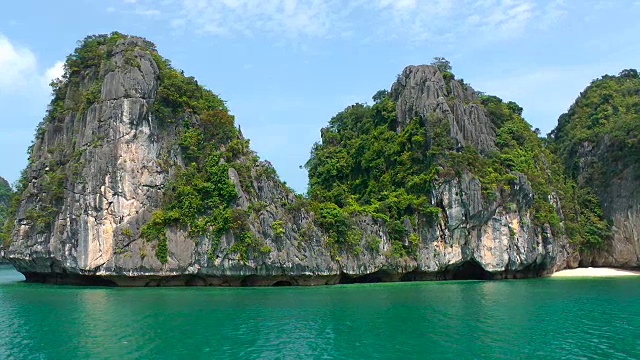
<point x="468" y="270"/>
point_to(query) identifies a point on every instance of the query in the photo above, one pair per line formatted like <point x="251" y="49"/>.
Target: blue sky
<point x="285" y="67"/>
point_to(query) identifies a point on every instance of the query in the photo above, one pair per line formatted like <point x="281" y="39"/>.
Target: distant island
<point x="138" y="176"/>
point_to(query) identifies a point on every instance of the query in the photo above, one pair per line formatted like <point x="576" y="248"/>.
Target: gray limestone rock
<point x="620" y="200"/>
<point x="121" y="170"/>
<point x="421" y="91"/>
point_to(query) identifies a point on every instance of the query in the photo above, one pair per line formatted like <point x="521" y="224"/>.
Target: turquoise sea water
<point x="523" y="319"/>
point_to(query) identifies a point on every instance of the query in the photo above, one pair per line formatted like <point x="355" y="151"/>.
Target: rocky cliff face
<point x="106" y="165"/>
<point x="620" y="199"/>
<point x="421" y="91"/>
<point x="6" y="194"/>
<point x="621" y="204"/>
<point x="598" y="141"/>
<point x="93" y="172"/>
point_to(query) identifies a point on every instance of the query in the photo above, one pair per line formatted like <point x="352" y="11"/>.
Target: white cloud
<point x="446" y="20"/>
<point x="398" y="4"/>
<point x="505" y="17"/>
<point x="289" y="18"/>
<point x="54" y="72"/>
<point x="19" y="70"/>
<point x="136" y="7"/>
<point x="24" y="92"/>
<point x="17" y="65"/>
<point x="555" y="11"/>
<point x="146" y="12"/>
<point x="412" y="20"/>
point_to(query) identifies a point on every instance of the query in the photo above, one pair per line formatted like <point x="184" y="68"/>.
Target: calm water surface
<point x="542" y="318"/>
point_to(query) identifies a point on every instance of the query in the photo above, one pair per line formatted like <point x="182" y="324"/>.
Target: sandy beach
<point x="595" y="272"/>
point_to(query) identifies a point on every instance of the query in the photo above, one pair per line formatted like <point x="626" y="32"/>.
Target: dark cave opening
<point x="470" y="270"/>
<point x="283" y="283"/>
<point x="375" y="277"/>
<point x="67" y="279"/>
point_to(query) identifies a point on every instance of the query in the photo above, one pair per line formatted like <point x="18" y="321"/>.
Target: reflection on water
<point x="545" y="318"/>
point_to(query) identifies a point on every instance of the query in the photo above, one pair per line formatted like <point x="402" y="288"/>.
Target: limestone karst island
<point x="139" y="176"/>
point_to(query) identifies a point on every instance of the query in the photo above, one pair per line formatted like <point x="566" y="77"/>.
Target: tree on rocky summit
<point x="442" y="64"/>
<point x="629" y="74"/>
<point x="380" y="95"/>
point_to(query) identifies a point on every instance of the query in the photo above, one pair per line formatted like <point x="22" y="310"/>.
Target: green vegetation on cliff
<point x="200" y="194"/>
<point x="521" y="150"/>
<point x="364" y="166"/>
<point x="179" y="94"/>
<point x="73" y="93"/>
<point x="598" y="139"/>
<point x="6" y="194"/>
<point x="367" y="163"/>
<point x="603" y="124"/>
<point x="91" y="55"/>
<point x="6" y="198"/>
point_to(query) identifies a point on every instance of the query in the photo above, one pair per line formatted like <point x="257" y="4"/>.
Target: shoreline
<point x="595" y="272"/>
<point x="190" y="280"/>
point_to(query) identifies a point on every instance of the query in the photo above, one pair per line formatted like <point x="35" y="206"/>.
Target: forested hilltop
<point x="598" y="141"/>
<point x="138" y="175"/>
<point x="369" y="160"/>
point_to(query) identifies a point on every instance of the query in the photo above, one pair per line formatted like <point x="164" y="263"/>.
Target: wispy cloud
<point x="503" y="17"/>
<point x="54" y="72"/>
<point x="19" y="70"/>
<point x="552" y="13"/>
<point x="413" y="20"/>
<point x="17" y="64"/>
<point x="398" y="4"/>
<point x="290" y="18"/>
<point x="480" y="20"/>
<point x="146" y="12"/>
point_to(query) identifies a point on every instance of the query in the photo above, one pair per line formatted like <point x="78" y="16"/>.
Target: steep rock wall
<point x="421" y="91"/>
<point x="119" y="172"/>
<point x="598" y="141"/>
<point x="620" y="199"/>
<point x="114" y="182"/>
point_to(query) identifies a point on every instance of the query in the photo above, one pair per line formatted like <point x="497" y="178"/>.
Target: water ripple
<point x="587" y="319"/>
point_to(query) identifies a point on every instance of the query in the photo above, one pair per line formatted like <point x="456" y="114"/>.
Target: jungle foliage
<point x="367" y="163"/>
<point x="603" y="123"/>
